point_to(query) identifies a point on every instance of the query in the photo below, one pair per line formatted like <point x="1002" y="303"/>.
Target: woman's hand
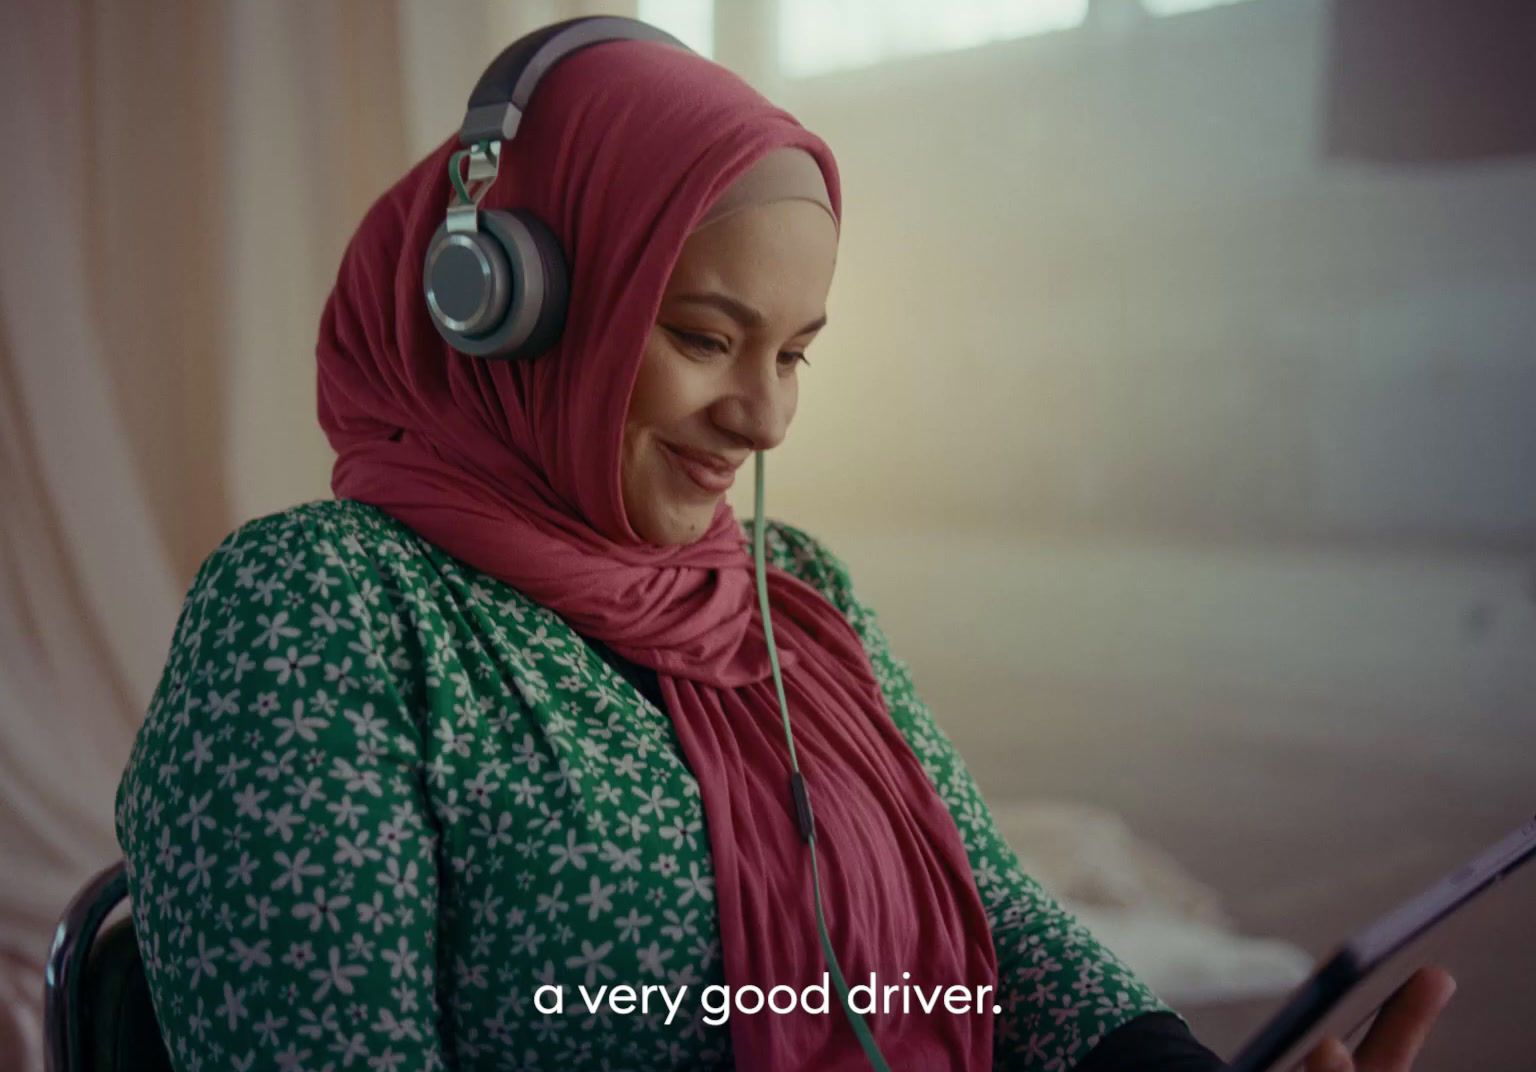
<point x="1396" y="1037"/>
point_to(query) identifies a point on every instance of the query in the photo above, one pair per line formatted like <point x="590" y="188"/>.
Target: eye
<point x="707" y="344"/>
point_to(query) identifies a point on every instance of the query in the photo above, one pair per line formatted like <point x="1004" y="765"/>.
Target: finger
<point x="1330" y="1055"/>
<point x="1404" y="1022"/>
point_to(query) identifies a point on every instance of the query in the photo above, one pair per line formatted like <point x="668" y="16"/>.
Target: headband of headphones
<point x="501" y="96"/>
<point x="496" y="281"/>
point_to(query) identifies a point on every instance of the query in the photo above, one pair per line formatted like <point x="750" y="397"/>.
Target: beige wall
<point x="1105" y="279"/>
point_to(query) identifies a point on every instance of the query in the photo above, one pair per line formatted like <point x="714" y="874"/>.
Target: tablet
<point x="1342" y="996"/>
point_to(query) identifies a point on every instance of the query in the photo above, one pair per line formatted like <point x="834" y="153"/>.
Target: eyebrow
<point x="741" y="312"/>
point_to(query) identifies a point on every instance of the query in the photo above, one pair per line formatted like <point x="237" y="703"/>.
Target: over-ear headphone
<point x="497" y="281"/>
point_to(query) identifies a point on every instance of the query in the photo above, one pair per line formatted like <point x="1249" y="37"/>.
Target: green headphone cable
<point x="797" y="788"/>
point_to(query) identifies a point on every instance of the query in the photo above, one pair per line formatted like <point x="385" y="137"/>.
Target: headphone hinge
<point x="464" y="219"/>
<point x="484" y="163"/>
<point x="484" y="160"/>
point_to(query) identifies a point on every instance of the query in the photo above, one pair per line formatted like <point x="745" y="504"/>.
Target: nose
<point x="759" y="404"/>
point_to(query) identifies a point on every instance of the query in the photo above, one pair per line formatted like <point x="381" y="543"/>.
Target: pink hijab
<point x="514" y="468"/>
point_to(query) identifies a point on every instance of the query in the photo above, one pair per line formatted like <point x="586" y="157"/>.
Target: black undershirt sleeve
<point x="1153" y="1042"/>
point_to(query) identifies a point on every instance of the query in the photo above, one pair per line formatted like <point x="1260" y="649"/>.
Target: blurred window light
<point x="1179" y="7"/>
<point x="820" y="36"/>
<point x="690" y="21"/>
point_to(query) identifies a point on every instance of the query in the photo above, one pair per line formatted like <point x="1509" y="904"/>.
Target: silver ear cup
<point x="515" y="314"/>
<point x="467" y="282"/>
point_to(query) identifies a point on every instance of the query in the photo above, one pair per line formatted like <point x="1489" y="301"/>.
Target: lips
<point x="705" y="472"/>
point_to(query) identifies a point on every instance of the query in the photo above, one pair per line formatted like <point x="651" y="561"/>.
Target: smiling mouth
<point x="706" y="478"/>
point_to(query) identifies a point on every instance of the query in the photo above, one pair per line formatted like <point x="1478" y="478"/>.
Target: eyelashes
<point x="711" y="346"/>
<point x="701" y="343"/>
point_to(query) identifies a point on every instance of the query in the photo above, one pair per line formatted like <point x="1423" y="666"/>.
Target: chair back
<point x="97" y="1013"/>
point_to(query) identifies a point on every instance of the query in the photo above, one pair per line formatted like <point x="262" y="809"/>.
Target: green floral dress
<point x="380" y="798"/>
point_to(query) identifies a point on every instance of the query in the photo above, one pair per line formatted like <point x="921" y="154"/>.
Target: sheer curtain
<point x="180" y="181"/>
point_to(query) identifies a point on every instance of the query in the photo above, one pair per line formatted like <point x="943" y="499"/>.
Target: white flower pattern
<point x="379" y="798"/>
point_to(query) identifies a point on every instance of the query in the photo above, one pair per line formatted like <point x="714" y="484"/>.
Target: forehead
<point x="788" y="248"/>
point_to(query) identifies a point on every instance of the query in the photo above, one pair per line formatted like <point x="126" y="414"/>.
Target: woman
<point x="496" y="727"/>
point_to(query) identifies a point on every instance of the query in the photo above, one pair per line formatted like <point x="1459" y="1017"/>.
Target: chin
<point x="683" y="527"/>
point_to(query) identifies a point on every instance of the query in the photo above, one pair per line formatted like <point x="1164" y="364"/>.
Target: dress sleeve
<point x="1060" y="989"/>
<point x="280" y="855"/>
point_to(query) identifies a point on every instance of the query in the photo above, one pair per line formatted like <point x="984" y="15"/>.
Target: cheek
<point x="670" y="393"/>
<point x="655" y="406"/>
<point x="658" y="386"/>
<point x="637" y="465"/>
